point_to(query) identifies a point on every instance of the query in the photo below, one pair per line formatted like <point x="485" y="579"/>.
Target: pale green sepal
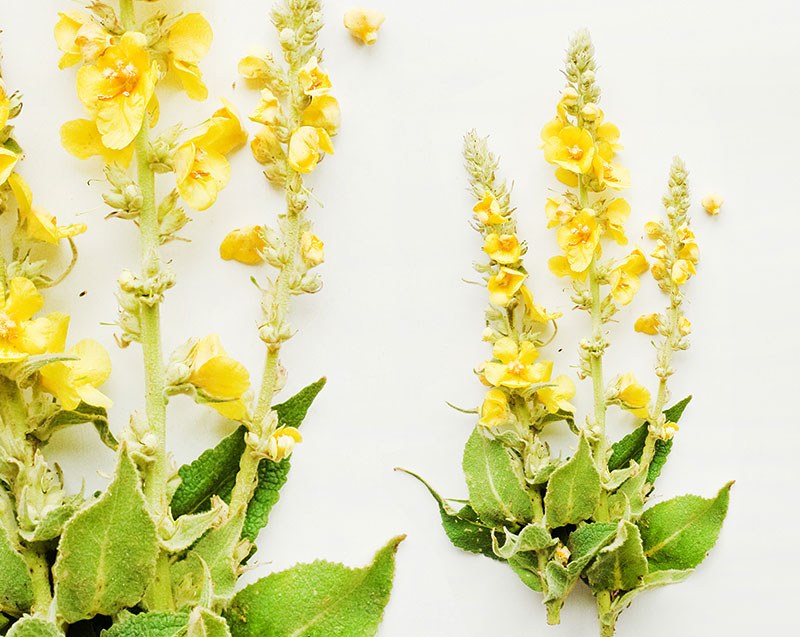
<point x="16" y="587"/>
<point x="649" y="581"/>
<point x="204" y="623"/>
<point x="20" y="372"/>
<point x="677" y="534"/>
<point x="616" y="478"/>
<point x="320" y="599"/>
<point x="156" y="624"/>
<point x="495" y="482"/>
<point x="190" y="528"/>
<point x="217" y="549"/>
<point x="33" y="627"/>
<point x="573" y="490"/>
<point x="634" y="491"/>
<point x="531" y="538"/>
<point x="52" y="524"/>
<point x="620" y="565"/>
<point x="107" y="554"/>
<point x="192" y="584"/>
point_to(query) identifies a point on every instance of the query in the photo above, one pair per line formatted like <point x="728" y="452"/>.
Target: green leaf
<point x="631" y="446"/>
<point x="585" y="541"/>
<point x="531" y="538"/>
<point x="677" y="534"/>
<point x="190" y="528"/>
<point x="12" y="145"/>
<point x="316" y="600"/>
<point x="526" y="566"/>
<point x="573" y="490"/>
<point x="156" y="624"/>
<point x="463" y="527"/>
<point x="83" y="413"/>
<point x="16" y="587"/>
<point x="192" y="584"/>
<point x="52" y="524"/>
<point x="204" y="623"/>
<point x="620" y="565"/>
<point x="107" y="554"/>
<point x="651" y="580"/>
<point x="214" y="472"/>
<point x="216" y="549"/>
<point x="495" y="482"/>
<point x="32" y="627"/>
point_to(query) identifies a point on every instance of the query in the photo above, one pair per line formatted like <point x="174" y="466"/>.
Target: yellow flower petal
<point x="503" y="249"/>
<point x="494" y="410"/>
<point x="648" y="324"/>
<point x="81" y="139"/>
<point x="504" y="285"/>
<point x="245" y="245"/>
<point x="8" y="160"/>
<point x="364" y="24"/>
<point x="323" y="112"/>
<point x="189" y="39"/>
<point x="305" y="146"/>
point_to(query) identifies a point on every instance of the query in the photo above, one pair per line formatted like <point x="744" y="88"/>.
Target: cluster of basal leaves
<point x="557" y="521"/>
<point x="160" y="551"/>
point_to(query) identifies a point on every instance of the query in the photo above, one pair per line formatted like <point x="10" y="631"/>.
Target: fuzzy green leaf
<point x="495" y="482"/>
<point x="649" y="581"/>
<point x="316" y="600"/>
<point x="52" y="524"/>
<point x="107" y="554"/>
<point x="156" y="624"/>
<point x="677" y="534"/>
<point x="530" y="538"/>
<point x="573" y="490"/>
<point x="620" y="565"/>
<point x="16" y="587"/>
<point x="526" y="566"/>
<point x="189" y="529"/>
<point x="83" y="413"/>
<point x="204" y="623"/>
<point x="32" y="627"/>
<point x="192" y="584"/>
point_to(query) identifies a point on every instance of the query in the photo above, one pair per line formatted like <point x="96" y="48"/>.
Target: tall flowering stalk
<point x="559" y="521"/>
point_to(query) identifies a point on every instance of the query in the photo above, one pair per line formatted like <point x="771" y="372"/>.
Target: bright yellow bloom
<point x="591" y="112"/>
<point x="256" y="64"/>
<point x="20" y="336"/>
<point x="79" y="38"/>
<point x="654" y="229"/>
<point x="690" y="252"/>
<point x="572" y="149"/>
<point x="504" y="285"/>
<point x="313" y="80"/>
<point x="219" y="376"/>
<point x="188" y="41"/>
<point x="364" y="23"/>
<point x="282" y="442"/>
<point x="488" y="210"/>
<point x="73" y="382"/>
<point x="559" y="266"/>
<point x="117" y="89"/>
<point x="635" y="397"/>
<point x="578" y="239"/>
<point x="558" y="211"/>
<point x="267" y="109"/>
<point x="38" y="223"/>
<point x="323" y="112"/>
<point x="609" y="174"/>
<point x="684" y="326"/>
<point x="534" y="311"/>
<point x="81" y="139"/>
<point x="607" y="138"/>
<point x="682" y="270"/>
<point x="616" y="214"/>
<point x="245" y="245"/>
<point x="515" y="369"/>
<point x="312" y="249"/>
<point x="201" y="169"/>
<point x="8" y="160"/>
<point x="504" y="248"/>
<point x="557" y="398"/>
<point x="552" y="128"/>
<point x="266" y="147"/>
<point x="648" y="324"/>
<point x="305" y="146"/>
<point x="494" y="410"/>
<point x="712" y="203"/>
<point x="5" y="107"/>
<point x="624" y="279"/>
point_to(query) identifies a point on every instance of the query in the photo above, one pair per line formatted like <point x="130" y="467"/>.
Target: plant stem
<point x="39" y="569"/>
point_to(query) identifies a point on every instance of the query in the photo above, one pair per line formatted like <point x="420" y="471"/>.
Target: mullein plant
<point x="160" y="551"/>
<point x="558" y="521"/>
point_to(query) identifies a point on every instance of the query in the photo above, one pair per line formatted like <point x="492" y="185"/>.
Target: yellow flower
<point x="682" y="270"/>
<point x="616" y="214"/>
<point x="20" y="336"/>
<point x="73" y="382"/>
<point x="256" y="64"/>
<point x="79" y="38"/>
<point x="5" y="107"/>
<point x="635" y="397"/>
<point x="219" y="376"/>
<point x="38" y="223"/>
<point x="201" y="169"/>
<point x="188" y="41"/>
<point x="312" y="249"/>
<point x="245" y="245"/>
<point x="305" y="146"/>
<point x="614" y="176"/>
<point x="534" y="311"/>
<point x="558" y="211"/>
<point x="282" y="442"/>
<point x="515" y="368"/>
<point x="313" y="80"/>
<point x="266" y="147"/>
<point x="488" y="210"/>
<point x="559" y="266"/>
<point x="323" y="112"/>
<point x="504" y="248"/>
<point x="578" y="239"/>
<point x="81" y="139"/>
<point x="552" y="128"/>
<point x="684" y="326"/>
<point x="494" y="410"/>
<point x="504" y="285"/>
<point x="8" y="160"/>
<point x="557" y="398"/>
<point x="606" y="140"/>
<point x="364" y="24"/>
<point x="624" y="279"/>
<point x="117" y="89"/>
<point x="572" y="149"/>
<point x="591" y="112"/>
<point x="267" y="109"/>
<point x="648" y="324"/>
<point x="654" y="229"/>
<point x="690" y="252"/>
<point x="712" y="203"/>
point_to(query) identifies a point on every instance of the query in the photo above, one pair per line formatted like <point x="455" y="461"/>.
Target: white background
<point x="398" y="333"/>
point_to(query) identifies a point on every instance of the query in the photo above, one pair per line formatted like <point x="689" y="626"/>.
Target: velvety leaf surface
<point x="32" y="627"/>
<point x="620" y="565"/>
<point x="16" y="588"/>
<point x="156" y="624"/>
<point x="573" y="490"/>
